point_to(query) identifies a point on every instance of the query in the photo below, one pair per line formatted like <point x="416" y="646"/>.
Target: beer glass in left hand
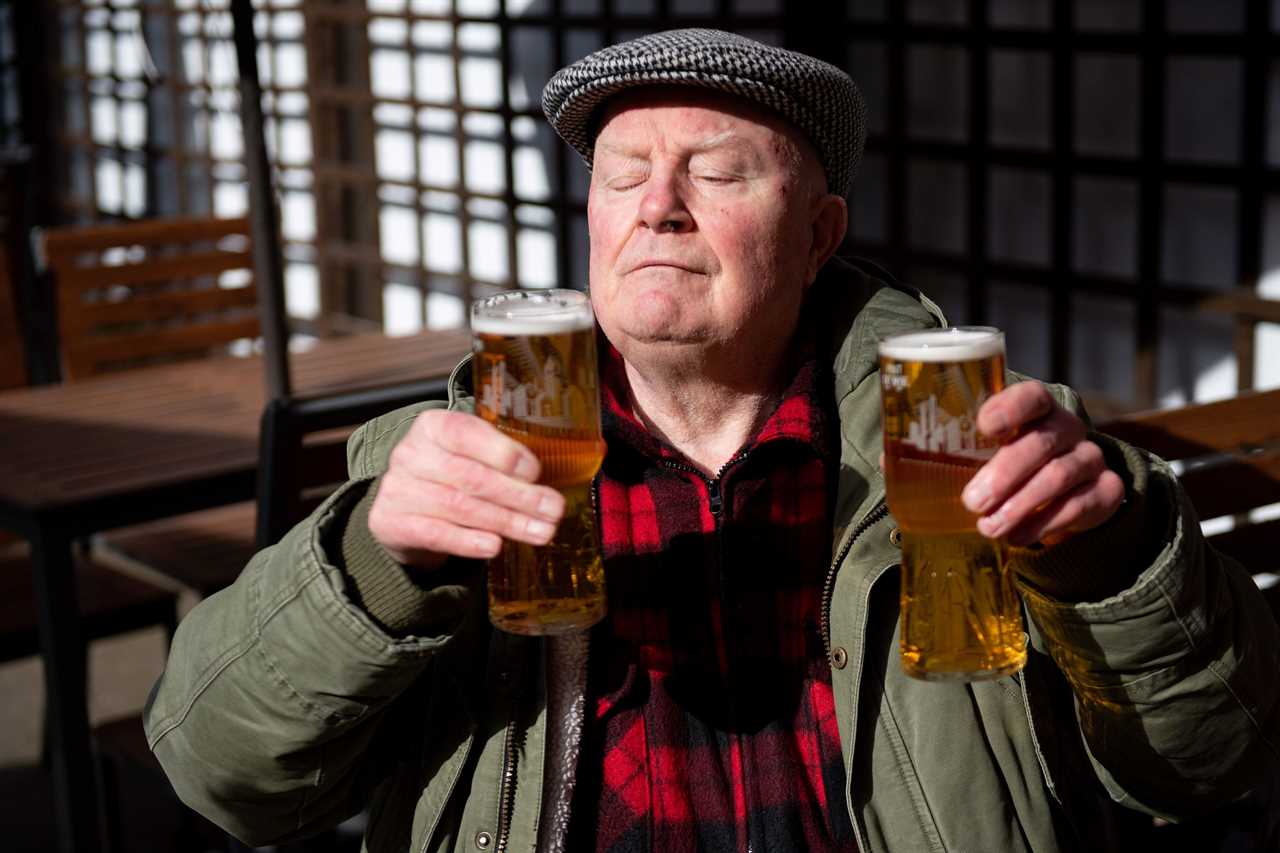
<point x="534" y="365"/>
<point x="961" y="614"/>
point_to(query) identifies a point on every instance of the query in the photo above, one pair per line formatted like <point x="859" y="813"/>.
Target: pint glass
<point x="534" y="365"/>
<point x="961" y="618"/>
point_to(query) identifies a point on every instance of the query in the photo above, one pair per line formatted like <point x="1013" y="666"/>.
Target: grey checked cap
<point x="815" y="96"/>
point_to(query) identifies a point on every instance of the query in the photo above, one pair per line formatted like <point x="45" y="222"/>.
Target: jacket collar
<point x="851" y="305"/>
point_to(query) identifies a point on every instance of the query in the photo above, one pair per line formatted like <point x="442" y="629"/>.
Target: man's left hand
<point x="1048" y="481"/>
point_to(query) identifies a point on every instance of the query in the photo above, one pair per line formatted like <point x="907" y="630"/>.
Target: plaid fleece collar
<point x="804" y="414"/>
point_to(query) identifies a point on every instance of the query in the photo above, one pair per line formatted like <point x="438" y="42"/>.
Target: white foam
<point x="528" y="317"/>
<point x="943" y="345"/>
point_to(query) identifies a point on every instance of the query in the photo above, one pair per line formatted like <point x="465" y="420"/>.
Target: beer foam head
<point x="532" y="312"/>
<point x="955" y="344"/>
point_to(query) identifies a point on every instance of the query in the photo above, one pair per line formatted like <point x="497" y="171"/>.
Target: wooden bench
<point x="1228" y="457"/>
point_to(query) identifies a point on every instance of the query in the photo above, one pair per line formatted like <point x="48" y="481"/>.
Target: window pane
<point x="1106" y="105"/>
<point x="936" y="206"/>
<point x="1018" y="210"/>
<point x="937" y="92"/>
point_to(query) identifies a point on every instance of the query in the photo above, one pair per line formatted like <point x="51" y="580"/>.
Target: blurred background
<point x="1097" y="176"/>
<point x="1101" y="178"/>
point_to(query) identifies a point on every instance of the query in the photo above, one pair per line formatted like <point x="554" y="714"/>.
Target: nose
<point x="662" y="209"/>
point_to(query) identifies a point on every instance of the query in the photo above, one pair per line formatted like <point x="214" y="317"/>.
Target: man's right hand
<point x="456" y="486"/>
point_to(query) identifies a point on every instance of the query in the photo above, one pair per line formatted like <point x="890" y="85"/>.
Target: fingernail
<point x="488" y="546"/>
<point x="550" y="507"/>
<point x="977" y="495"/>
<point x="1000" y="426"/>
<point x="992" y="526"/>
<point x="526" y="468"/>
<point x="540" y="529"/>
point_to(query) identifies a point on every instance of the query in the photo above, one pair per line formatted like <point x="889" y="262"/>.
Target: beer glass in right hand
<point x="961" y="615"/>
<point x="535" y="373"/>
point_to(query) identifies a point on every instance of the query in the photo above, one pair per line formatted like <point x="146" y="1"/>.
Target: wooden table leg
<point x="76" y="804"/>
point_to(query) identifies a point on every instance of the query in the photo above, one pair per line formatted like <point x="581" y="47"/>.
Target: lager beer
<point x="961" y="615"/>
<point x="534" y="365"/>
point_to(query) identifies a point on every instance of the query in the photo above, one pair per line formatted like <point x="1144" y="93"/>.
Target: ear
<point x="830" y="220"/>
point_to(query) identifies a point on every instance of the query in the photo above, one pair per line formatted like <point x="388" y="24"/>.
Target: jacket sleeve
<point x="265" y="718"/>
<point x="1175" y="675"/>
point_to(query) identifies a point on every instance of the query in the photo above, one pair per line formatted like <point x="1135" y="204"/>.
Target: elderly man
<point x="743" y="693"/>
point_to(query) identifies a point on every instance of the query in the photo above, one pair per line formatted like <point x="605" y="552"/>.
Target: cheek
<point x="751" y="250"/>
<point x="603" y="227"/>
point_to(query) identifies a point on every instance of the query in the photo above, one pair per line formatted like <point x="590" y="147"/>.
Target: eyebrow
<point x="719" y="140"/>
<point x="723" y="139"/>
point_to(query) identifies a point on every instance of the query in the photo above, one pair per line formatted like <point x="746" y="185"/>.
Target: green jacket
<point x="326" y="679"/>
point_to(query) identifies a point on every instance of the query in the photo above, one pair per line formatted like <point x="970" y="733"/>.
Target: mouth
<point x="659" y="264"/>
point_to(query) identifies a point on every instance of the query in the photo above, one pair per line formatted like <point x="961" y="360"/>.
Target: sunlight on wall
<point x="448" y="213"/>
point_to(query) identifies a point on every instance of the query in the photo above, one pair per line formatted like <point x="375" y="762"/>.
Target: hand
<point x="457" y="486"/>
<point x="1048" y="481"/>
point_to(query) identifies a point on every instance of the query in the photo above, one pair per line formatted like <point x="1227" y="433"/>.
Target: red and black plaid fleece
<point x="714" y="725"/>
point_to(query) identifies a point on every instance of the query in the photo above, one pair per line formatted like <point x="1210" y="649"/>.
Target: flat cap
<point x="815" y="96"/>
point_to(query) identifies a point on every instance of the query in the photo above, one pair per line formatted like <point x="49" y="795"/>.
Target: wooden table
<point x="79" y="458"/>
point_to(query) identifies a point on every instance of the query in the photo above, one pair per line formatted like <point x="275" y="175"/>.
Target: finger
<point x="1018" y="461"/>
<point x="1083" y="508"/>
<point x="438" y="468"/>
<point x="417" y="540"/>
<point x="471" y="437"/>
<point x="463" y="510"/>
<point x="1014" y="408"/>
<point x="1061" y="474"/>
<point x="427" y="465"/>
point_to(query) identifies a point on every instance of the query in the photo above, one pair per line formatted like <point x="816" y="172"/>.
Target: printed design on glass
<point x="935" y="423"/>
<point x="531" y="383"/>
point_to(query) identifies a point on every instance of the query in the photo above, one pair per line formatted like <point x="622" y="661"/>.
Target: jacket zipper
<point x="715" y="497"/>
<point x="879" y="511"/>
<point x="507" y="781"/>
<point x="507" y="788"/>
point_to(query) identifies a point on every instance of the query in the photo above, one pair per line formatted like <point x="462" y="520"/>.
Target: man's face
<point x="701" y="214"/>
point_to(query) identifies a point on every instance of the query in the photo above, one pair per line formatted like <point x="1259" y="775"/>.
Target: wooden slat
<point x="86" y="358"/>
<point x="74" y="278"/>
<point x="146" y="233"/>
<point x="1247" y="305"/>
<point x="1235" y="486"/>
<point x="204" y="551"/>
<point x="101" y="335"/>
<point x="1255" y="546"/>
<point x="1190" y="431"/>
<point x="151" y="308"/>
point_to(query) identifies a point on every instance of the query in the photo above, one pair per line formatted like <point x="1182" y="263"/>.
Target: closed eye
<point x="625" y="182"/>
<point x="717" y="178"/>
